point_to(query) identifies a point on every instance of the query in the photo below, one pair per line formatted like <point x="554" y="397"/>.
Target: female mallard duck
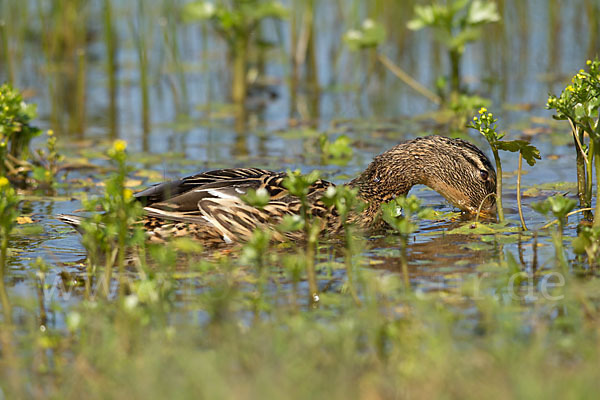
<point x="209" y="205"/>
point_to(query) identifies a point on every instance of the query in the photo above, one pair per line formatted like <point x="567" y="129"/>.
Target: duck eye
<point x="484" y="174"/>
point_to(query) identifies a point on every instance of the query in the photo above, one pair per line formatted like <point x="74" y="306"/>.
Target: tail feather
<point x="71" y="220"/>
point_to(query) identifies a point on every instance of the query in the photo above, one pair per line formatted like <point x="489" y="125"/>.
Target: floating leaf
<point x="478" y="228"/>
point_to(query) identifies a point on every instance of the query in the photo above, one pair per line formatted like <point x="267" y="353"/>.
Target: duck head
<point x="454" y="168"/>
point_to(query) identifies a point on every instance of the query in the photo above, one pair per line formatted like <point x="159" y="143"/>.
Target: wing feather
<point x="214" y="199"/>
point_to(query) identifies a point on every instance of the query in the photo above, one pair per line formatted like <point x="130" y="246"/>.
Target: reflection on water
<point x="107" y="69"/>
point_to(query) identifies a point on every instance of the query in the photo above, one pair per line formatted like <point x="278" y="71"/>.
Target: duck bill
<point x="487" y="213"/>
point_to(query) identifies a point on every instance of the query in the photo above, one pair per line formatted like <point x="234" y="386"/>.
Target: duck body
<point x="210" y="206"/>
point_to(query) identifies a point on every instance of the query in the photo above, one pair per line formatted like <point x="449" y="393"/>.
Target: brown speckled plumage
<point x="208" y="206"/>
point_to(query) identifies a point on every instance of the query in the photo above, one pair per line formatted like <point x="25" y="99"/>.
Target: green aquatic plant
<point x="370" y="35"/>
<point x="455" y="23"/>
<point x="338" y="151"/>
<point x="559" y="207"/>
<point x="528" y="152"/>
<point x="141" y="26"/>
<point x="16" y="130"/>
<point x="9" y="202"/>
<point x="298" y="185"/>
<point x="400" y="214"/>
<point x="17" y="163"/>
<point x="460" y="105"/>
<point x="368" y="38"/>
<point x="110" y="235"/>
<point x="345" y="201"/>
<point x="486" y="125"/>
<point x="578" y="104"/>
<point x="46" y="171"/>
<point x="236" y="22"/>
<point x="588" y="242"/>
<point x="111" y="44"/>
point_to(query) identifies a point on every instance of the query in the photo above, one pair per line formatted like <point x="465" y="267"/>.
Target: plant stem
<point x="581" y="167"/>
<point x="311" y="275"/>
<point x="111" y="68"/>
<point x="455" y="70"/>
<point x="348" y="262"/>
<point x="399" y="72"/>
<point x="557" y="238"/>
<point x="240" y="54"/>
<point x="3" y="295"/>
<point x="519" y="192"/>
<point x="108" y="264"/>
<point x="311" y="232"/>
<point x="404" y="262"/>
<point x="80" y="91"/>
<point x="589" y="169"/>
<point x="499" y="208"/>
<point x="10" y="76"/>
<point x="596" y="155"/>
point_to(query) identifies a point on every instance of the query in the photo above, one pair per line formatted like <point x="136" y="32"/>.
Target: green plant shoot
<point x="486" y="125"/>
<point x="455" y="23"/>
<point x="299" y="185"/>
<point x="399" y="214"/>
<point x="235" y="22"/>
<point x="16" y="130"/>
<point x="578" y="103"/>
<point x="558" y="206"/>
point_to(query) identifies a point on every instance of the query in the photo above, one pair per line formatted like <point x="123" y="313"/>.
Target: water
<point x="532" y="52"/>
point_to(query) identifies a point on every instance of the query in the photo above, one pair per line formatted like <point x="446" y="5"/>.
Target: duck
<point x="210" y="206"/>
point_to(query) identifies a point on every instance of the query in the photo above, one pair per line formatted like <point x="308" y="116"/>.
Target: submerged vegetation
<point x="427" y="305"/>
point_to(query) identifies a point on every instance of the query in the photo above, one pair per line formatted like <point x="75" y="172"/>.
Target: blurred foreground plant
<point x="111" y="234"/>
<point x="579" y="103"/>
<point x="299" y="185"/>
<point x="399" y="214"/>
<point x="9" y="202"/>
<point x="346" y="202"/>
<point x="558" y="206"/>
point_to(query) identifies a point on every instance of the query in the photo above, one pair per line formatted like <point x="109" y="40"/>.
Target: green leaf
<point x="580" y="243"/>
<point x="198" y="11"/>
<point x="424" y="16"/>
<point x="530" y="153"/>
<point x="268" y="9"/>
<point x="482" y="12"/>
<point x="257" y="198"/>
<point x="371" y="34"/>
<point x="291" y="223"/>
<point x="339" y="151"/>
<point x="558" y="205"/>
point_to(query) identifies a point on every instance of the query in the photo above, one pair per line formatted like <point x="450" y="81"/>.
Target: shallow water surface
<point x="516" y="63"/>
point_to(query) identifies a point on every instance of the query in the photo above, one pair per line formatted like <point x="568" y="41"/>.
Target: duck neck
<point x="385" y="179"/>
